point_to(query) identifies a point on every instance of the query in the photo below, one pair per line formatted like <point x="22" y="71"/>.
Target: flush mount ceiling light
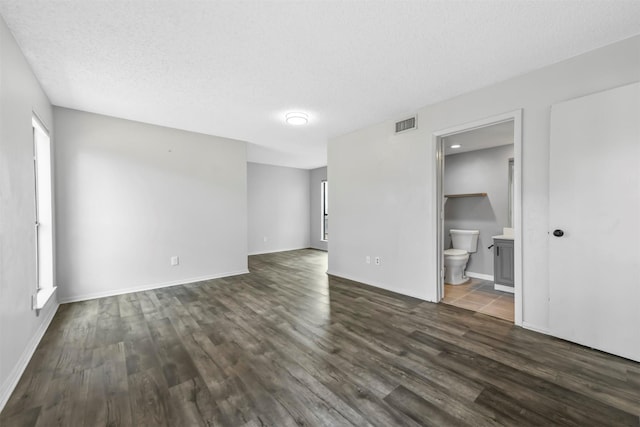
<point x="296" y="118"/>
<point x="456" y="146"/>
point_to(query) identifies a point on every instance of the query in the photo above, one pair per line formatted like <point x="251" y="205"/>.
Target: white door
<point x="595" y="201"/>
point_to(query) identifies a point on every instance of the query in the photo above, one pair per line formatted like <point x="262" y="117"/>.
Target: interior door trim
<point x="437" y="143"/>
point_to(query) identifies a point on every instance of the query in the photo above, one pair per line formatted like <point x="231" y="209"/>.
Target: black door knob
<point x="558" y="233"/>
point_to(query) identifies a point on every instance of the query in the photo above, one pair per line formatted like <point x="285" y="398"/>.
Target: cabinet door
<point x="503" y="265"/>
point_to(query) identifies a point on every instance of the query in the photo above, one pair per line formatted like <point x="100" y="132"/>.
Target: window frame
<point x="43" y="184"/>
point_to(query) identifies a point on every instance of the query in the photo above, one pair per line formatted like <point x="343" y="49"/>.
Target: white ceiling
<point x="233" y="68"/>
<point x="480" y="139"/>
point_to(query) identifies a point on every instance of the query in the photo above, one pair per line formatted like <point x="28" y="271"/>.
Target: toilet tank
<point x="465" y="239"/>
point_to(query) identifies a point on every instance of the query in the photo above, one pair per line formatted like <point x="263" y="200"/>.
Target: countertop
<point x="503" y="237"/>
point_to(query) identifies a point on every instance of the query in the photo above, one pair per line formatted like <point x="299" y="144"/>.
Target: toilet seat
<point x="455" y="252"/>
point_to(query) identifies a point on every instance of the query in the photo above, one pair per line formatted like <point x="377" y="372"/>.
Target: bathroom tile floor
<point x="479" y="295"/>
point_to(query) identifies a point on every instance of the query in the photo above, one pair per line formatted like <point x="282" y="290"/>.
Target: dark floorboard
<point x="286" y="345"/>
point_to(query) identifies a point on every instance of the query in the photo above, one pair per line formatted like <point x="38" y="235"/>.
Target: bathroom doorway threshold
<point x="479" y="295"/>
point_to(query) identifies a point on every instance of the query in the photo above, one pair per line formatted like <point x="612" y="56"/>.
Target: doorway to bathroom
<point x="478" y="221"/>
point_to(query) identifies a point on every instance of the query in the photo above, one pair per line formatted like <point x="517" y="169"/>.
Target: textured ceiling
<point x="233" y="68"/>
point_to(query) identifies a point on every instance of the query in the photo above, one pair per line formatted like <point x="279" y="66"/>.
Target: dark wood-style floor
<point x="285" y="346"/>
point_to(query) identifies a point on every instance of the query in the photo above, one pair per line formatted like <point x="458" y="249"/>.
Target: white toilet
<point x="455" y="260"/>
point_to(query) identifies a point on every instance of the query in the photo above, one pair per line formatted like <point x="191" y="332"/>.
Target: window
<point x="44" y="214"/>
<point x="325" y="212"/>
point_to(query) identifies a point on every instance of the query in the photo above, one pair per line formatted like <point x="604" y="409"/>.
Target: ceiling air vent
<point x="405" y="125"/>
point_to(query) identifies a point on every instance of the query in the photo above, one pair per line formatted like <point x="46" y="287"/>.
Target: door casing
<point x="438" y="146"/>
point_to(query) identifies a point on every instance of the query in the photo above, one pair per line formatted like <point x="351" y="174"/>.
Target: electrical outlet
<point x="175" y="260"/>
<point x="367" y="259"/>
<point x="378" y="260"/>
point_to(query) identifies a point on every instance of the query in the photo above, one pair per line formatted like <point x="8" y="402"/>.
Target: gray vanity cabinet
<point x="503" y="265"/>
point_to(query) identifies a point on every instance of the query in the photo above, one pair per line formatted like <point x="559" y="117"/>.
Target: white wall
<point x="20" y="328"/>
<point x="317" y="176"/>
<point x="481" y="171"/>
<point x="132" y="195"/>
<point x="383" y="195"/>
<point x="278" y="208"/>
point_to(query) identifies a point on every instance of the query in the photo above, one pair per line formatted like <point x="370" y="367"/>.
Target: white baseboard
<point x="479" y="275"/>
<point x="503" y="288"/>
<point x="11" y="382"/>
<point x="323" y="246"/>
<point x="375" y="285"/>
<point x="85" y="297"/>
<point x="273" y="251"/>
<point x="535" y="328"/>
